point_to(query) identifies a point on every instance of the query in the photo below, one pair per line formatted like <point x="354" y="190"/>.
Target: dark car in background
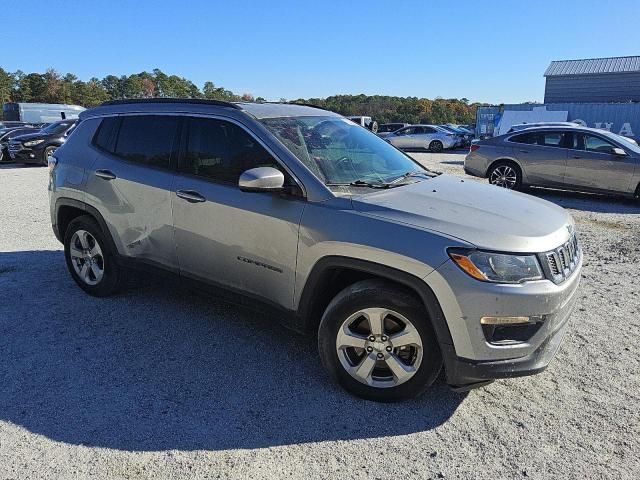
<point x="567" y="158"/>
<point x="36" y="147"/>
<point x="7" y="133"/>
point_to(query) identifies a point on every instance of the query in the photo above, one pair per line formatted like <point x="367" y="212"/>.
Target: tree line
<point x="54" y="87"/>
<point x="386" y="109"/>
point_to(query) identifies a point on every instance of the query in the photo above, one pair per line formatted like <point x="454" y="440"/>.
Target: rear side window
<point x="221" y="150"/>
<point x="147" y="139"/>
<point x="523" y="138"/>
<point x="106" y="136"/>
<point x="545" y="139"/>
<point x="550" y="139"/>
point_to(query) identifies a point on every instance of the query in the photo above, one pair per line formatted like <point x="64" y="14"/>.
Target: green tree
<point x="52" y="87"/>
<point x="7" y="86"/>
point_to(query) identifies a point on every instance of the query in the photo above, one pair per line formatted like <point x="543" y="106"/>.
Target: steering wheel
<point x="344" y="160"/>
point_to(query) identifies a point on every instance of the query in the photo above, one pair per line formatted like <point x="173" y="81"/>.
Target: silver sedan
<point x="570" y="158"/>
<point x="424" y="137"/>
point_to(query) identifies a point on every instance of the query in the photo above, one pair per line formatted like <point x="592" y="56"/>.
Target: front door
<point x="243" y="240"/>
<point x="404" y="138"/>
<point x="593" y="165"/>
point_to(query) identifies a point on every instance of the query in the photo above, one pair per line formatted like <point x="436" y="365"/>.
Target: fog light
<point x="31" y="155"/>
<point x="505" y="320"/>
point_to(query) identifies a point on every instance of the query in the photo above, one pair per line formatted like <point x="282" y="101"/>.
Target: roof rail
<point x="204" y="101"/>
<point x="305" y="105"/>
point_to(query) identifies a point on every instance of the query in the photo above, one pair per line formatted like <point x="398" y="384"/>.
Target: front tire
<point x="436" y="146"/>
<point x="376" y="341"/>
<point x="89" y="258"/>
<point x="47" y="152"/>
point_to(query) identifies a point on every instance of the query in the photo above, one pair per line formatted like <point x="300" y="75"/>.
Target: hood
<point x="32" y="136"/>
<point x="486" y="216"/>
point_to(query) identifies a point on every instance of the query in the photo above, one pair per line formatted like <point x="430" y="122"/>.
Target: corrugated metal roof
<point x="591" y="66"/>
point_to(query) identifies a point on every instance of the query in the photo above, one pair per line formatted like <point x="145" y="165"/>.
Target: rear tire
<point x="89" y="258"/>
<point x="397" y="356"/>
<point x="505" y="174"/>
<point x="436" y="146"/>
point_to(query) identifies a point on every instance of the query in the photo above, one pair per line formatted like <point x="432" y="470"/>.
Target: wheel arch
<point x="68" y="209"/>
<point x="332" y="274"/>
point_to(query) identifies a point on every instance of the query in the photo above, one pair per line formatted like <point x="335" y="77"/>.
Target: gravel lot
<point x="159" y="382"/>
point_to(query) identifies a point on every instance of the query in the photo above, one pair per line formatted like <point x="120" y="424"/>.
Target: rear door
<point x="130" y="183"/>
<point x="244" y="240"/>
<point x="428" y="134"/>
<point x="592" y="165"/>
<point x="542" y="156"/>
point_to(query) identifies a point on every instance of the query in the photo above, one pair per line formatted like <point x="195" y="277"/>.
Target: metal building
<point x="598" y="92"/>
<point x="620" y="118"/>
<point x="595" y="80"/>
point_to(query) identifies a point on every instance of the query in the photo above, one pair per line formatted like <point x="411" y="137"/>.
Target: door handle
<point x="577" y="156"/>
<point x="524" y="151"/>
<point x="105" y="174"/>
<point x="190" y="196"/>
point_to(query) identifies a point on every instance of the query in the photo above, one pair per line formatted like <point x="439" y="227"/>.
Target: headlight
<point x="33" y="143"/>
<point x="497" y="267"/>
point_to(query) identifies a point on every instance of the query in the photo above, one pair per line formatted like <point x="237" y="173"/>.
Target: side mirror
<point x="618" y="151"/>
<point x="261" y="179"/>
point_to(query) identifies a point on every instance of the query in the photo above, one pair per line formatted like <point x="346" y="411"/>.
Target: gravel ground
<point x="159" y="382"/>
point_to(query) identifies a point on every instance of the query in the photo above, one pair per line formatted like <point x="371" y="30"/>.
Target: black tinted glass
<point x="221" y="150"/>
<point x="523" y="138"/>
<point x="147" y="139"/>
<point x="106" y="135"/>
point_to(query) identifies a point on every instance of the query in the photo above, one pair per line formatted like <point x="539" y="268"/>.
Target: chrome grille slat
<point x="561" y="262"/>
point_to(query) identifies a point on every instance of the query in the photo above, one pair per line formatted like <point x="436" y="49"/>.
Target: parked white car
<point x="423" y="137"/>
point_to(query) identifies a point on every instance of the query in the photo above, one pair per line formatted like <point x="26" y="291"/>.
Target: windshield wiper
<point x="361" y="183"/>
<point x="413" y="173"/>
<point x="364" y="183"/>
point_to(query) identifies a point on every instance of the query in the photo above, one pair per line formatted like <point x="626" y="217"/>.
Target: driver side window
<point x="597" y="144"/>
<point x="221" y="150"/>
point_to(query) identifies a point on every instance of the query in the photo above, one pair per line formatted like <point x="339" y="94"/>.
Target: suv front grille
<point x="561" y="262"/>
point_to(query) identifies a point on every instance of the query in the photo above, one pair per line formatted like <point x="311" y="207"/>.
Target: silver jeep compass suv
<point x="400" y="271"/>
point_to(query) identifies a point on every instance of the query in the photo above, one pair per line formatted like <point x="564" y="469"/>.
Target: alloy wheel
<point x="86" y="257"/>
<point x="379" y="347"/>
<point x="504" y="176"/>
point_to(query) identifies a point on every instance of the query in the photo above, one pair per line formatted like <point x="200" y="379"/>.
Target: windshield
<point x="339" y="152"/>
<point x="56" y="128"/>
<point x="628" y="142"/>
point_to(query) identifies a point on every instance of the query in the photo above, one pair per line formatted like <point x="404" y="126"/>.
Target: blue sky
<point x="491" y="51"/>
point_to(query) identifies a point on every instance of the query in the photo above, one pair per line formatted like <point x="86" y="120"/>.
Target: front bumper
<point x="473" y="357"/>
<point x="24" y="155"/>
<point x="464" y="374"/>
